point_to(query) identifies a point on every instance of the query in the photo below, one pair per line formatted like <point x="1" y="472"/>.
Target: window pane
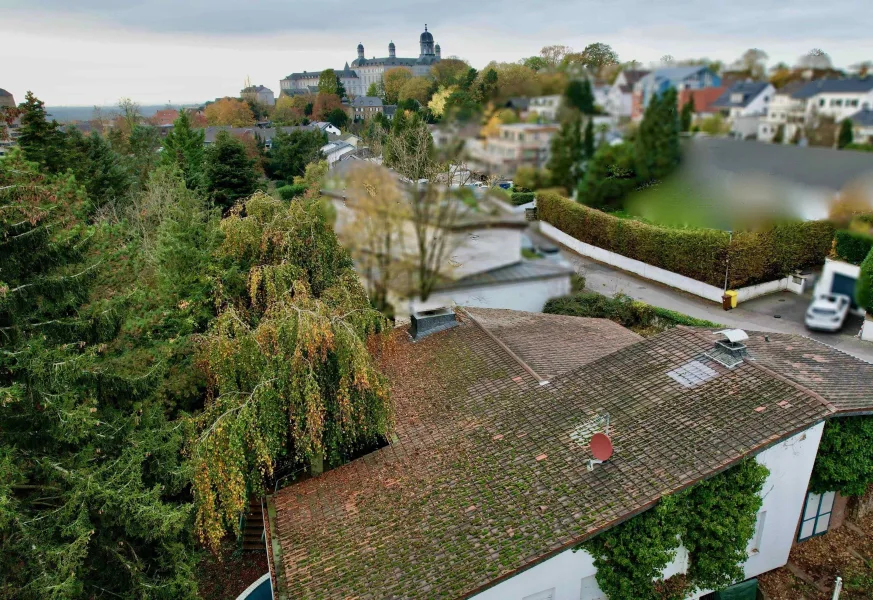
<point x="811" y="506"/>
<point x="827" y="502"/>
<point x="822" y="524"/>
<point x="806" y="529"/>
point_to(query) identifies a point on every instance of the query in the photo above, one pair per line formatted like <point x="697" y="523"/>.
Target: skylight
<point x="692" y="374"/>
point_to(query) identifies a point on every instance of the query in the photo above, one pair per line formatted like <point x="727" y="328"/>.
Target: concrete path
<point x="759" y="314"/>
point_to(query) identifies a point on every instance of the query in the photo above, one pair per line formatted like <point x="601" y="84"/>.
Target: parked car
<point x="505" y="185"/>
<point x="828" y="312"/>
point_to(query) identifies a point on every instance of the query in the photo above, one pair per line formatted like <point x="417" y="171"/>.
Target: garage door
<point x="844" y="285"/>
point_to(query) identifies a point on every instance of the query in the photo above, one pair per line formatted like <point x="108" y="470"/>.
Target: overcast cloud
<point x="94" y="51"/>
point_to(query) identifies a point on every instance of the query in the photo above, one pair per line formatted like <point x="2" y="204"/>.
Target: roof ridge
<point x="506" y="348"/>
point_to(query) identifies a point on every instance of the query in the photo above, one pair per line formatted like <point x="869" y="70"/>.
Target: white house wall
<point x="529" y="296"/>
<point x="571" y="575"/>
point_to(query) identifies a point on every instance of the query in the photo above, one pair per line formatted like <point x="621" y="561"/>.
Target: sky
<point x="93" y="52"/>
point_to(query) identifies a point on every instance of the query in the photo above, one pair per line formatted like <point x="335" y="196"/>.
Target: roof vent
<point x="731" y="351"/>
<point x="427" y="322"/>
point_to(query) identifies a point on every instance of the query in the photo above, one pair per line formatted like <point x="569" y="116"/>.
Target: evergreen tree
<point x="338" y="118"/>
<point x="145" y="144"/>
<point x="687" y="114"/>
<point x="229" y="172"/>
<point x="657" y="151"/>
<point x="567" y="152"/>
<point x="609" y="177"/>
<point x="292" y="151"/>
<point x="98" y="167"/>
<point x="88" y="471"/>
<point x="183" y="146"/>
<point x="846" y="136"/>
<point x="42" y="141"/>
<point x="588" y="142"/>
<point x="580" y="96"/>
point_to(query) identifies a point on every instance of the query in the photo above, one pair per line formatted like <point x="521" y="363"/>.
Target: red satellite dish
<point x="601" y="446"/>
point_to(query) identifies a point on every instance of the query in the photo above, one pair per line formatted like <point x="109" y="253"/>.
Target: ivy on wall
<point x="845" y="457"/>
<point x="714" y="520"/>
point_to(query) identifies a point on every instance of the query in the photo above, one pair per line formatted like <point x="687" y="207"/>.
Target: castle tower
<point x="392" y="50"/>
<point x="437" y="49"/>
<point x="361" y="51"/>
<point x="426" y="43"/>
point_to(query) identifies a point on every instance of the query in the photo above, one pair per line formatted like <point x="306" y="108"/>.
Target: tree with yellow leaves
<point x="394" y="80"/>
<point x="229" y="112"/>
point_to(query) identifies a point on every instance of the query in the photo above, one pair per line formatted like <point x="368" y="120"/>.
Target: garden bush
<point x="852" y="246"/>
<point x="519" y="198"/>
<point x="289" y="192"/>
<point x="701" y="254"/>
<point x="864" y="288"/>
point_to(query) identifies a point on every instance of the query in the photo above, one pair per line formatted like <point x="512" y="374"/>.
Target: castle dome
<point x="426" y="37"/>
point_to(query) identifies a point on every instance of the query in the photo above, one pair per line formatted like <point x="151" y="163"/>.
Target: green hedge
<point x="622" y="309"/>
<point x="852" y="246"/>
<point x="289" y="192"/>
<point x="701" y="254"/>
<point x="864" y="287"/>
<point x="519" y="198"/>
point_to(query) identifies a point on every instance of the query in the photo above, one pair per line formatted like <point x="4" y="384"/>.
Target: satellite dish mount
<point x="601" y="447"/>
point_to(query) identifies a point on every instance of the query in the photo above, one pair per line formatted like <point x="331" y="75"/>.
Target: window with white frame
<point x="816" y="516"/>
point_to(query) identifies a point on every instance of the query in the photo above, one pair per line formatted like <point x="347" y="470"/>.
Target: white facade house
<point x="744" y="105"/>
<point x="601" y="94"/>
<point x="837" y="98"/>
<point x="326" y="127"/>
<point x="334" y="151"/>
<point x="546" y="107"/>
<point x="785" y="112"/>
<point x="619" y="99"/>
<point x="572" y="576"/>
<point x="862" y="126"/>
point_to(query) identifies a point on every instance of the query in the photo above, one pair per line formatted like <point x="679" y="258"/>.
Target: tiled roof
<point x="486" y="478"/>
<point x="863" y="118"/>
<point x="835" y="86"/>
<point x="841" y="379"/>
<point x="633" y="75"/>
<point x="703" y="98"/>
<point x="748" y="91"/>
<point x="553" y="344"/>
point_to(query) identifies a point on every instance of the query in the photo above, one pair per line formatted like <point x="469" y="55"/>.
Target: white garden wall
<point x="674" y="280"/>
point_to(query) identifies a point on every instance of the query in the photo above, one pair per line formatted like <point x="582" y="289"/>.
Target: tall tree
<point x="42" y="140"/>
<point x="656" y="149"/>
<point x="324" y="104"/>
<point x="394" y="79"/>
<point x="288" y="110"/>
<point x="229" y="172"/>
<point x="292" y="151"/>
<point x="373" y="91"/>
<point x="580" y="96"/>
<point x="99" y="168"/>
<point x="536" y="63"/>
<point x="753" y="63"/>
<point x="145" y="144"/>
<point x="327" y="82"/>
<point x="687" y="114"/>
<point x="554" y="55"/>
<point x="846" y="136"/>
<point x="183" y="146"/>
<point x="567" y="152"/>
<point x="815" y="59"/>
<point x="229" y="112"/>
<point x="450" y="71"/>
<point x="338" y="118"/>
<point x="595" y="57"/>
<point x="588" y="141"/>
<point x="88" y="470"/>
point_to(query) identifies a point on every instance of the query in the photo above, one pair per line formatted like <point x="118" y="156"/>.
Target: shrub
<point x="289" y="192"/>
<point x="622" y="309"/>
<point x="609" y="178"/>
<point x="852" y="246"/>
<point x="864" y="289"/>
<point x="860" y="147"/>
<point x="701" y="254"/>
<point x="519" y="198"/>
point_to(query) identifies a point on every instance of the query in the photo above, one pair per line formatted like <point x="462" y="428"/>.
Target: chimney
<point x="427" y="322"/>
<point x="730" y="351"/>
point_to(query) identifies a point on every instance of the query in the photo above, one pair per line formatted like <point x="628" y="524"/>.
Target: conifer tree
<point x="588" y="142"/>
<point x="687" y="114"/>
<point x="657" y="151"/>
<point x="229" y="173"/>
<point x="98" y="167"/>
<point x="42" y="141"/>
<point x="183" y="146"/>
<point x="846" y="135"/>
<point x="567" y="152"/>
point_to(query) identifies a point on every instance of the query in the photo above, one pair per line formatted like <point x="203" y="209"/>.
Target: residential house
<point x="515" y="145"/>
<point x="362" y="108"/>
<point x="660" y="80"/>
<point x="862" y="126"/>
<point x="487" y="486"/>
<point x="258" y="94"/>
<point x="836" y="98"/>
<point x="389" y="110"/>
<point x="328" y="128"/>
<point x="349" y="138"/>
<point x="785" y="113"/>
<point x="703" y="99"/>
<point x="619" y="99"/>
<point x="164" y="117"/>
<point x="545" y="107"/>
<point x="601" y="93"/>
<point x="744" y="104"/>
<point x="335" y="150"/>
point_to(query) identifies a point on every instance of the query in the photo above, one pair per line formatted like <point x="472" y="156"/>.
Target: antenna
<point x="601" y="448"/>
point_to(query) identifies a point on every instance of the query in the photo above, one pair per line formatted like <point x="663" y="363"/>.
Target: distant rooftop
<point x="740" y="94"/>
<point x="863" y="118"/>
<point x="835" y="86"/>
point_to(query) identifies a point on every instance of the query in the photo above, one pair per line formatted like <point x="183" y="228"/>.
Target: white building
<point x="546" y="107"/>
<point x="785" y="112"/>
<point x="837" y="98"/>
<point x="619" y="98"/>
<point x="744" y="104"/>
<point x="862" y="126"/>
<point x="364" y="72"/>
<point x="259" y="94"/>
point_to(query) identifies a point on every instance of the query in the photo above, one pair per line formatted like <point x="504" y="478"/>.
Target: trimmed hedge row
<point x="852" y="246"/>
<point x="519" y="198"/>
<point x="701" y="254"/>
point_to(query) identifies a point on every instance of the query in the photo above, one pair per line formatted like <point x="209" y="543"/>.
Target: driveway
<point x="781" y="312"/>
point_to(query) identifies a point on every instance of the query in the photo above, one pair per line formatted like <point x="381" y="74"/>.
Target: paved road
<point x="755" y="315"/>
